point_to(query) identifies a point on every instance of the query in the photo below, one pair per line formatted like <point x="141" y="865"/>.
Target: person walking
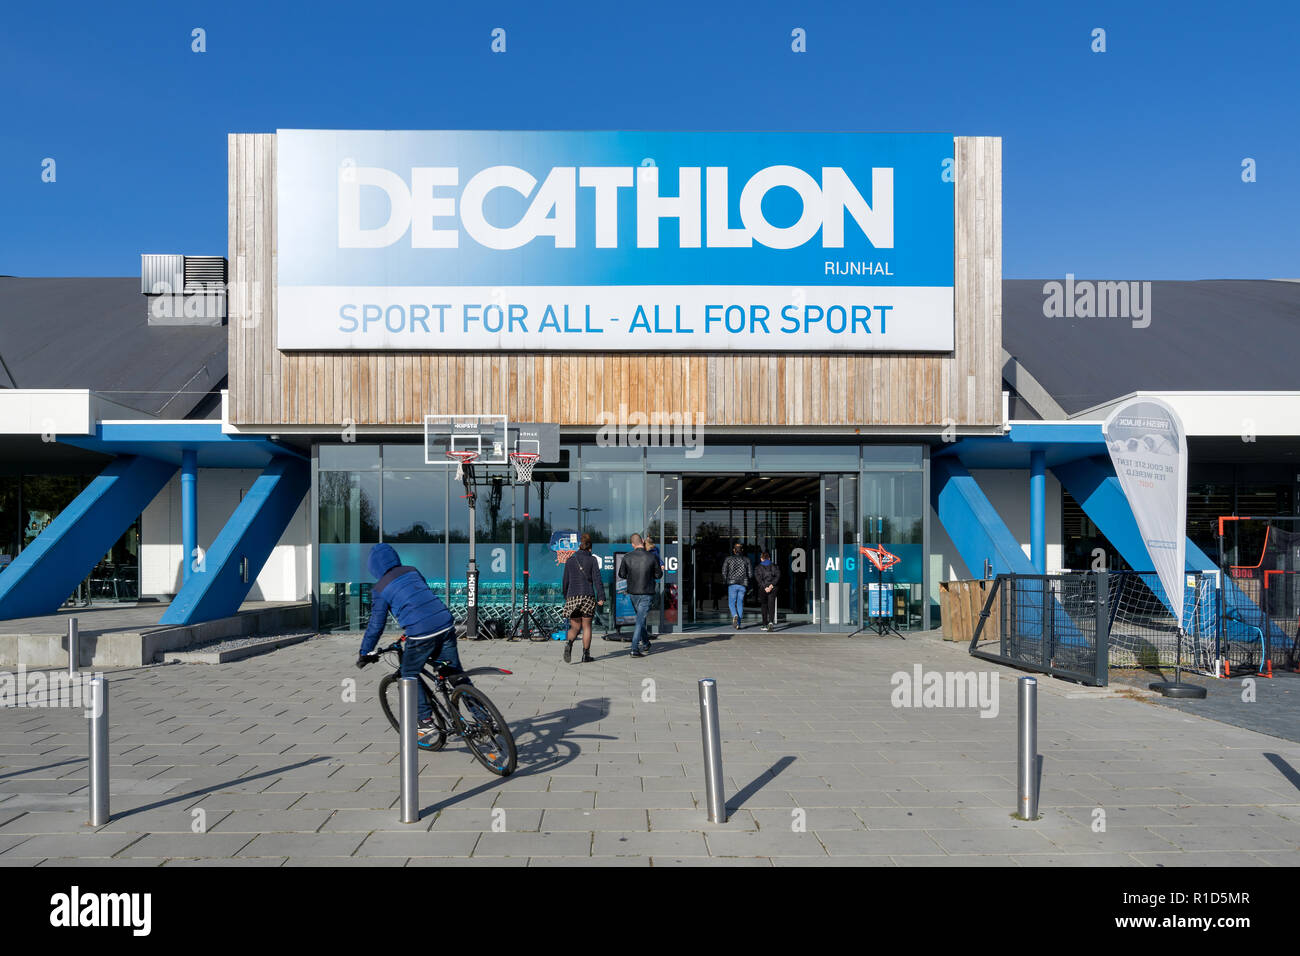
<point x="736" y="572"/>
<point x="653" y="549"/>
<point x="641" y="570"/>
<point x="582" y="590"/>
<point x="766" y="576"/>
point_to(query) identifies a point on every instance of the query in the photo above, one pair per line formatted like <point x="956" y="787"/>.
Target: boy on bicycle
<point x="430" y="628"/>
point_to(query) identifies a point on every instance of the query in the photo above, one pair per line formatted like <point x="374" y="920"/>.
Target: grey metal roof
<point x="94" y="333"/>
<point x="1213" y="335"/>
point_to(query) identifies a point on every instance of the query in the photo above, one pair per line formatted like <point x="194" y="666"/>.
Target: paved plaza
<point x="263" y="762"/>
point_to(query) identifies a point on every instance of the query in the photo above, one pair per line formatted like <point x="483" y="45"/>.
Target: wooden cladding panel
<point x="330" y="389"/>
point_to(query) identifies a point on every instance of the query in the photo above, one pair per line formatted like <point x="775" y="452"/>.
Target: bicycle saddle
<point x="445" y="669"/>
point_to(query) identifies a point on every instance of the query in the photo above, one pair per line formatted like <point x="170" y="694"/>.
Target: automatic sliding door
<point x="840" y="568"/>
<point x="892" y="515"/>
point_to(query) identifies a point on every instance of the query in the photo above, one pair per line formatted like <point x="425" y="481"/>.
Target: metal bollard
<point x="712" y="734"/>
<point x="74" y="646"/>
<point x="98" y="751"/>
<point x="409" y="751"/>
<point x="1027" y="749"/>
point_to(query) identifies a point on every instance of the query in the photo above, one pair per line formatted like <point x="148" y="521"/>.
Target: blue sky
<point x="1123" y="164"/>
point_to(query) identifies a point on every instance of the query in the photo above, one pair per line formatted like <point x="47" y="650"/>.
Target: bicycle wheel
<point x="486" y="731"/>
<point x="390" y="698"/>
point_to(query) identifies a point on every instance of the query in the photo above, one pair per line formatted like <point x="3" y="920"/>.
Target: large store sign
<point x="614" y="241"/>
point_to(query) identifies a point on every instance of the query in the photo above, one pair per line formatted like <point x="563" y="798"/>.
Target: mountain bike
<point x="459" y="709"/>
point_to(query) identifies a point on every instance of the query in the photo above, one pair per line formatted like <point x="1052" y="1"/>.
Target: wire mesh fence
<point x="1144" y="630"/>
<point x="1055" y="623"/>
<point x="1052" y="623"/>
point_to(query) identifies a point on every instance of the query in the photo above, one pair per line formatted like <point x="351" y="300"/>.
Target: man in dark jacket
<point x="641" y="570"/>
<point x="430" y="628"/>
<point x="736" y="572"/>
<point x="766" y="576"/>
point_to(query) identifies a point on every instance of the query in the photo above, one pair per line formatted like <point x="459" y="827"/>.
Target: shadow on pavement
<point x="1284" y="768"/>
<point x="544" y="743"/>
<point x="204" y="791"/>
<point x="757" y="784"/>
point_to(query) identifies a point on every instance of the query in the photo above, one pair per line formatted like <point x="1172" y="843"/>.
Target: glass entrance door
<point x="777" y="515"/>
<point x="892" y="516"/>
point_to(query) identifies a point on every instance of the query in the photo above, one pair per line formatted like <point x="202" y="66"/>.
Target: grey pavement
<point x="286" y="760"/>
<point x="1270" y="705"/>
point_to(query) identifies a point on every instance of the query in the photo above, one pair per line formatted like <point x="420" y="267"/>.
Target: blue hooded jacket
<point x="403" y="590"/>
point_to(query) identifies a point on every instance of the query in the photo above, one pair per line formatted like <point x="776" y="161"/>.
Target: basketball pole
<point x="523" y="622"/>
<point x="471" y="568"/>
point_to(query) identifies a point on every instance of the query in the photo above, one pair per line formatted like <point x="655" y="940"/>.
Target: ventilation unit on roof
<point x="205" y="273"/>
<point x="184" y="290"/>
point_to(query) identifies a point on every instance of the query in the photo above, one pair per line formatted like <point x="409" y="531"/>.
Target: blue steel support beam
<point x="49" y="569"/>
<point x="1093" y="484"/>
<point x="189" y="511"/>
<point x="972" y="522"/>
<point x="979" y="534"/>
<point x="220" y="587"/>
<point x="1038" y="510"/>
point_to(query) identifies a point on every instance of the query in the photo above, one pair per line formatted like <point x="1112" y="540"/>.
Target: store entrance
<point x="777" y="514"/>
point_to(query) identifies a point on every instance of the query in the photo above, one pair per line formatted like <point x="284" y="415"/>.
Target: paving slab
<point x="289" y="774"/>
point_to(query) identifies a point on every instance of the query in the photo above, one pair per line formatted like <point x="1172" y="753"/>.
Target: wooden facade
<point x="326" y="390"/>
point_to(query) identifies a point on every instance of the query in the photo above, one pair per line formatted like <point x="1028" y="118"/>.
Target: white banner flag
<point x="1148" y="450"/>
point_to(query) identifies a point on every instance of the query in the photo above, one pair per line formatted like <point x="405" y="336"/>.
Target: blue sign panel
<point x="614" y="241"/>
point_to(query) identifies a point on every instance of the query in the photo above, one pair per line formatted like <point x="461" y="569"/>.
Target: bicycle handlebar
<point x="364" y="659"/>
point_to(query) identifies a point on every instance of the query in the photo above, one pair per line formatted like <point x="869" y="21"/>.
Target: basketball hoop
<point x="524" y="462"/>
<point x="462" y="457"/>
<point x="562" y="557"/>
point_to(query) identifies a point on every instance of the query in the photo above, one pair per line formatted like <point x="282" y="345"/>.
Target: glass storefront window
<point x="553" y="507"/>
<point x="349" y="507"/>
<point x="703" y="457"/>
<point x="349" y="457"/>
<point x="349" y="523"/>
<point x="613" y="507"/>
<point x="421" y="510"/>
<point x="408" y="456"/>
<point x="892" y="515"/>
<point x="611" y="458"/>
<point x="414" y="507"/>
<point x="28" y="503"/>
<point x="891" y="456"/>
<point x="806" y="458"/>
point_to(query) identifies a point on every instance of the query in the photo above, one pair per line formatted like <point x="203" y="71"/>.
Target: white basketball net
<point x="462" y="459"/>
<point x="523" y="462"/>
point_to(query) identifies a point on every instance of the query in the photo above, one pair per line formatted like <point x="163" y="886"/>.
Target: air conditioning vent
<point x="161" y="274"/>
<point x="184" y="290"/>
<point x="205" y="272"/>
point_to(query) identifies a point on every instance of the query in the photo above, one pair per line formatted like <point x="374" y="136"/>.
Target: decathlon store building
<point x="816" y="322"/>
<point x="804" y="315"/>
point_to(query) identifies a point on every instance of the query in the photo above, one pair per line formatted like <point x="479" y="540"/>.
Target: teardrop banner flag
<point x="1148" y="450"/>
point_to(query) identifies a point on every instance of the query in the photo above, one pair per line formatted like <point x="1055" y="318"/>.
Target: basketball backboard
<point x="488" y="436"/>
<point x="538" y="438"/>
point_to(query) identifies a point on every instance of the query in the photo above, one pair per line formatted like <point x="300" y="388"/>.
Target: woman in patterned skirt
<point x="582" y="594"/>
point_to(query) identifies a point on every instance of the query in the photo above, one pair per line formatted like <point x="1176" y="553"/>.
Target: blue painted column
<point x="189" y="510"/>
<point x="1038" y="511"/>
